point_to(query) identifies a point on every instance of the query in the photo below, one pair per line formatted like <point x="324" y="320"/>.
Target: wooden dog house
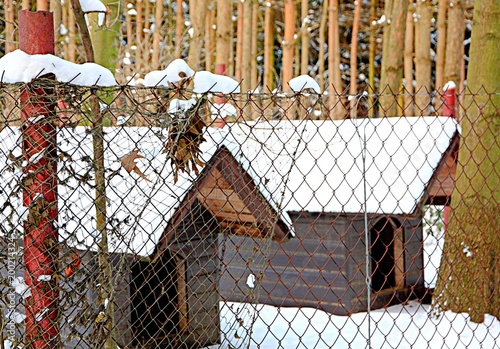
<point x="224" y="198"/>
<point x="410" y="162"/>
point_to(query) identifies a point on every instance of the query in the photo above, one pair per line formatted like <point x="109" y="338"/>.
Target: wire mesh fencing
<point x="158" y="218"/>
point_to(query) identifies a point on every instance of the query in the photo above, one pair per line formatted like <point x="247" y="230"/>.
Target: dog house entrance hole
<point x="387" y="257"/>
<point x="154" y="300"/>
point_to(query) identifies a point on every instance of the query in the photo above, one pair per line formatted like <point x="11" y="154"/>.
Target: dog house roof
<point x="384" y="165"/>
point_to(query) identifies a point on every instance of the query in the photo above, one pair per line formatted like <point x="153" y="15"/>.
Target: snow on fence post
<point x="449" y="99"/>
<point x="38" y="120"/>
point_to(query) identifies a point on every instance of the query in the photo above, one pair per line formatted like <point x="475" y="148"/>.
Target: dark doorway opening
<point x="387" y="255"/>
<point x="154" y="299"/>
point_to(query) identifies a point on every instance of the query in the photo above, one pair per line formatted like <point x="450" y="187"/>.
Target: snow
<point x="92" y="6"/>
<point x="15" y="316"/>
<point x="44" y="278"/>
<point x="18" y="66"/>
<point x="303" y="82"/>
<point x="205" y="81"/>
<point x="20" y="287"/>
<point x="251" y="281"/>
<point x="174" y="72"/>
<point x="223" y="110"/>
<point x="450" y="85"/>
<point x="180" y="105"/>
<point x="401" y="326"/>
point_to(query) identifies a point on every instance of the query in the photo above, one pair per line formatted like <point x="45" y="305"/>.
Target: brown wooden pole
<point x="36" y="36"/>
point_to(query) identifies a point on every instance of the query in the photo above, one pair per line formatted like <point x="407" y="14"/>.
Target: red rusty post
<point x="36" y="36"/>
<point x="449" y="109"/>
<point x="449" y="99"/>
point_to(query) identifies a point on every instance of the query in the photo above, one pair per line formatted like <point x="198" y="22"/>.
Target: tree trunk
<point x="371" y="59"/>
<point x="239" y="43"/>
<point x="146" y="48"/>
<point x="441" y="44"/>
<point x="104" y="330"/>
<point x="223" y="42"/>
<point x="246" y="62"/>
<point x="155" y="59"/>
<point x="106" y="40"/>
<point x="289" y="43"/>
<point x="469" y="275"/>
<point x="209" y="38"/>
<point x="335" y="88"/>
<point x="72" y="37"/>
<point x="392" y="56"/>
<point x="454" y="42"/>
<point x="304" y="37"/>
<point x="353" y="90"/>
<point x="139" y="36"/>
<point x="423" y="57"/>
<point x="269" y="47"/>
<point x="255" y="32"/>
<point x="197" y="12"/>
<point x="55" y="8"/>
<point x="179" y="29"/>
<point x="409" y="52"/>
<point x="9" y="27"/>
<point x="322" y="42"/>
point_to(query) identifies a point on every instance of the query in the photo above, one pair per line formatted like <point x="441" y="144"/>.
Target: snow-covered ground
<point x="401" y="326"/>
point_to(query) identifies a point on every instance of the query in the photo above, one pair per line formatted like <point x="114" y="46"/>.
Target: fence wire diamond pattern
<point x="141" y="218"/>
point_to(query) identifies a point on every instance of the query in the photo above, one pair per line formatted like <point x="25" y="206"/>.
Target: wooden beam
<point x="443" y="176"/>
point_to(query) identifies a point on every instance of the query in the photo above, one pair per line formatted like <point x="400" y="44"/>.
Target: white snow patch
<point x="205" y="81"/>
<point x="15" y="316"/>
<point x="173" y="73"/>
<point x="20" y="287"/>
<point x="122" y="120"/>
<point x="303" y="82"/>
<point x="180" y="105"/>
<point x="44" y="278"/>
<point x="36" y="157"/>
<point x="450" y="85"/>
<point x="39" y="316"/>
<point x="63" y="30"/>
<point x="251" y="281"/>
<point x="251" y="325"/>
<point x="222" y="110"/>
<point x="92" y="6"/>
<point x="18" y="66"/>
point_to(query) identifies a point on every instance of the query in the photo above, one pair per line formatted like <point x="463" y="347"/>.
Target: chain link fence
<point x="157" y="218"/>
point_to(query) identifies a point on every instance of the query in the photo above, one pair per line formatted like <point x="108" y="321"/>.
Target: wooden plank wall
<point x="308" y="270"/>
<point x="322" y="267"/>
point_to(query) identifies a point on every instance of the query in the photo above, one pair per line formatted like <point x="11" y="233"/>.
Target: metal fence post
<point x="36" y="36"/>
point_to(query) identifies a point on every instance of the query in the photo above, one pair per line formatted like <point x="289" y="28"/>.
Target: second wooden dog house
<point x="354" y="191"/>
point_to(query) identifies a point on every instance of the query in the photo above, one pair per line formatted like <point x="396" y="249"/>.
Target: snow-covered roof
<point x="137" y="210"/>
<point x="297" y="165"/>
<point x="318" y="166"/>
